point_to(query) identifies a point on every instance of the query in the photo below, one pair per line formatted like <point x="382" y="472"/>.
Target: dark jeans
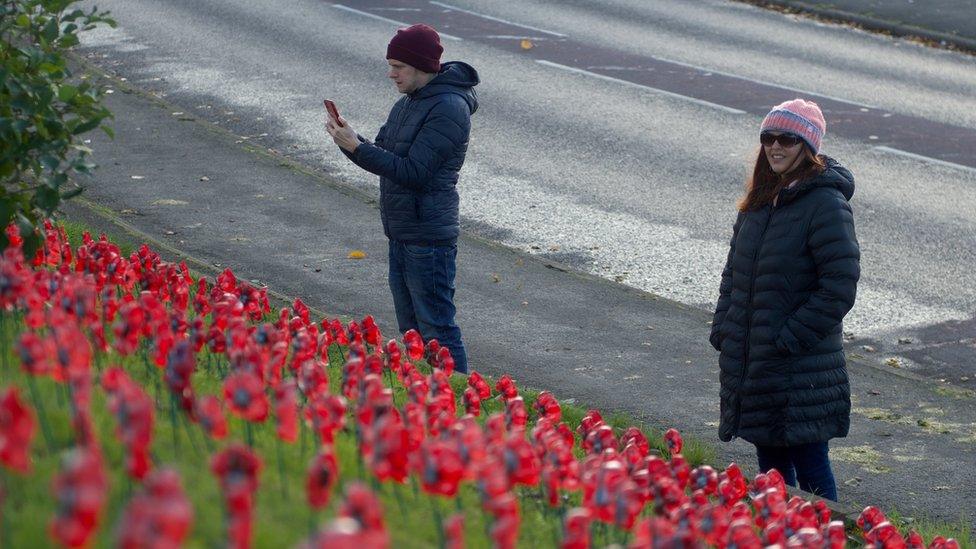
<point x="807" y="463"/>
<point x="422" y="282"/>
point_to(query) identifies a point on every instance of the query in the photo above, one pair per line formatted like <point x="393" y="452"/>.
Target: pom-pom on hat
<point x="799" y="117"/>
<point x="418" y="46"/>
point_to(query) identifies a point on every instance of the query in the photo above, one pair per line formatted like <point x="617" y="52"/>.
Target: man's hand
<point x="344" y="136"/>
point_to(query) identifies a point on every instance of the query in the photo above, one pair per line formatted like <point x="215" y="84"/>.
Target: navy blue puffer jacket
<point x="790" y="277"/>
<point x="418" y="155"/>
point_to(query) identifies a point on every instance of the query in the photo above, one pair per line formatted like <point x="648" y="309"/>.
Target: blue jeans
<point x="807" y="463"/>
<point x="422" y="282"/>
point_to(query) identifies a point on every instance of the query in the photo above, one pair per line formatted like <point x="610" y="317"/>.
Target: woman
<point x="790" y="277"/>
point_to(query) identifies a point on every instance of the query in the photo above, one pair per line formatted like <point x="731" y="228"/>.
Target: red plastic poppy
<point x="321" y="478"/>
<point x="245" y="396"/>
<point x="17" y="427"/>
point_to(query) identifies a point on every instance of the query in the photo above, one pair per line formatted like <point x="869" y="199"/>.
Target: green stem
<point x="41" y="413"/>
<point x="438" y="521"/>
<point x="281" y="470"/>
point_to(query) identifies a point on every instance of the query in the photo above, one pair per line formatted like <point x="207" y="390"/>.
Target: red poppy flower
<point x="134" y="411"/>
<point x="362" y="505"/>
<point x="599" y="438"/>
<point x="237" y="468"/>
<point x="673" y="439"/>
<point x="505" y="528"/>
<point x="210" y="415"/>
<point x="286" y="411"/>
<point x="478" y="383"/>
<point x="244" y="394"/>
<point x="431" y="351"/>
<point x="389" y="442"/>
<point x="81" y="489"/>
<point x="521" y="462"/>
<point x="548" y="407"/>
<point x="312" y="378"/>
<point x="323" y="473"/>
<point x="837" y="537"/>
<point x="440" y="467"/>
<point x="454" y="532"/>
<point x="870" y="517"/>
<point x="472" y="402"/>
<point x="414" y="344"/>
<point x="742" y="536"/>
<point x="588" y="423"/>
<point x="506" y="387"/>
<point x="326" y="414"/>
<point x="17" y="427"/>
<point x="704" y="478"/>
<point x="372" y="332"/>
<point x="576" y="529"/>
<point x="159" y="515"/>
<point x="180" y="365"/>
<point x="516" y="417"/>
<point x="913" y="541"/>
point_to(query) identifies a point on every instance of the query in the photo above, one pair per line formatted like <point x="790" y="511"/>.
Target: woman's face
<point x="784" y="151"/>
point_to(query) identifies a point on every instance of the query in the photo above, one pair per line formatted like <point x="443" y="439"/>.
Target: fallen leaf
<point x="526" y="44"/>
<point x="495" y="278"/>
<point x="357" y="254"/>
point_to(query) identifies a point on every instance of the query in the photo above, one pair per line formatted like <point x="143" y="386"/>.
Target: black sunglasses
<point x="785" y="139"/>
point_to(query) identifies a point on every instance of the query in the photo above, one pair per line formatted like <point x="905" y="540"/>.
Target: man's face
<point x="406" y="78"/>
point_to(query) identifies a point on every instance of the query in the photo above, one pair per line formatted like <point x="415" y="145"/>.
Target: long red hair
<point x="765" y="184"/>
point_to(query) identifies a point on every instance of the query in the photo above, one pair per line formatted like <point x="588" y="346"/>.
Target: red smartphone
<point x="333" y="112"/>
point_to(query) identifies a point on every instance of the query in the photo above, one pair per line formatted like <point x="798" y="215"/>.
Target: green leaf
<point x="50" y="162"/>
<point x="50" y="30"/>
<point x="72" y="193"/>
<point x="67" y="92"/>
<point x="86" y="126"/>
<point x="68" y="41"/>
<point x="108" y="131"/>
<point x="47" y="199"/>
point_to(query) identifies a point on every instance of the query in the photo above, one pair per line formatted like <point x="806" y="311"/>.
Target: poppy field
<point x="143" y="407"/>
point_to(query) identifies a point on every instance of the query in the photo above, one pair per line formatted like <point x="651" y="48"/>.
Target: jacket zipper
<point x="752" y="291"/>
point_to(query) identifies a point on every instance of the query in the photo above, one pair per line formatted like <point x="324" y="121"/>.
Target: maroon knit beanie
<point x="418" y="46"/>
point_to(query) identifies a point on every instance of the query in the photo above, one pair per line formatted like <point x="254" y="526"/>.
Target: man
<point x="418" y="154"/>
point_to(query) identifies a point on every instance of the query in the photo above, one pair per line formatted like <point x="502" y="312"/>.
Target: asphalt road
<point x="610" y="169"/>
<point x="633" y="179"/>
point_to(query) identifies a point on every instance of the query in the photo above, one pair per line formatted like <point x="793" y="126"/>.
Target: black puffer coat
<point x="790" y="277"/>
<point x="418" y="155"/>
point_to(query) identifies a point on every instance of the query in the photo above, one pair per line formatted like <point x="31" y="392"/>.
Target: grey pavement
<point x="949" y="22"/>
<point x="196" y="190"/>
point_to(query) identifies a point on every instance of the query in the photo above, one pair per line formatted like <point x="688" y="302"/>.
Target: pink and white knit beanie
<point x="799" y="117"/>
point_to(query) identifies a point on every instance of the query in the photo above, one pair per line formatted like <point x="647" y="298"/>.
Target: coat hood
<point x="835" y="176"/>
<point x="455" y="77"/>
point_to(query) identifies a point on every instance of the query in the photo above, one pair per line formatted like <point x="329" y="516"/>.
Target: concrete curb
<point x="930" y="37"/>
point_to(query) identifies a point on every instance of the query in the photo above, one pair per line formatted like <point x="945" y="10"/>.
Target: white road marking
<point x="392" y="21"/>
<point x="763" y="82"/>
<point x="641" y="86"/>
<point x="515" y="37"/>
<point x="923" y="158"/>
<point x="489" y="17"/>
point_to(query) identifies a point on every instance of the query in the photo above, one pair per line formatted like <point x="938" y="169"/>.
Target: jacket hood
<point x="455" y="77"/>
<point x="835" y="176"/>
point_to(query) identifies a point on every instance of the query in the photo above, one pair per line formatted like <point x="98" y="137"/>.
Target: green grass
<point x="928" y="528"/>
<point x="282" y="516"/>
